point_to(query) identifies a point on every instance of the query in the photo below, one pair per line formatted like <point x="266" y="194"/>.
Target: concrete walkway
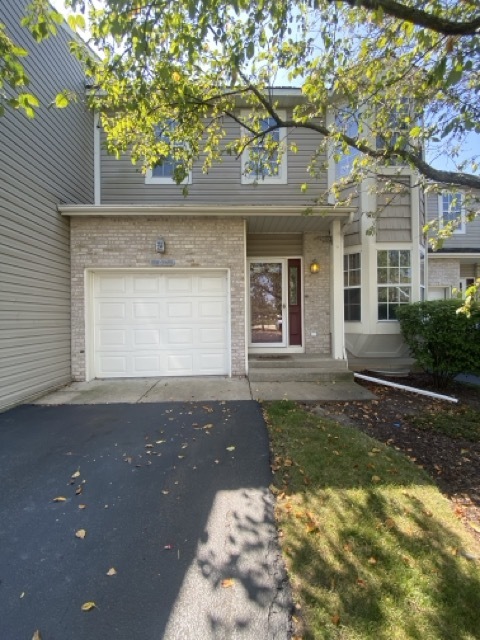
<point x="200" y="389"/>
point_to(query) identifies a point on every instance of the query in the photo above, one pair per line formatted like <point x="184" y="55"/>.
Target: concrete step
<point x="299" y="374"/>
<point x="295" y="362"/>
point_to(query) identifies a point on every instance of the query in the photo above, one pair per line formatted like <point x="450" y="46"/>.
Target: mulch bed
<point x="453" y="463"/>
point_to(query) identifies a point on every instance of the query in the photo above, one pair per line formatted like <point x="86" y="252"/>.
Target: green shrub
<point x="441" y="340"/>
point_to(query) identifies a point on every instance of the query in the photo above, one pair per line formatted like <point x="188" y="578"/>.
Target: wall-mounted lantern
<point x="314" y="266"/>
<point x="160" y="245"/>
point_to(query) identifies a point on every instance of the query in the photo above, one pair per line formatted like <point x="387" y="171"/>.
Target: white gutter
<point x="395" y="385"/>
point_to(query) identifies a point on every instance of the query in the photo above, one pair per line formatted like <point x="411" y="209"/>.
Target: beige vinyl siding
<point x="460" y="241"/>
<point x="43" y="162"/>
<point x="275" y="244"/>
<point x="394" y="221"/>
<point x="124" y="183"/>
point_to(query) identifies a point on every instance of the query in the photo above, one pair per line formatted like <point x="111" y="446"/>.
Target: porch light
<point x="314" y="266"/>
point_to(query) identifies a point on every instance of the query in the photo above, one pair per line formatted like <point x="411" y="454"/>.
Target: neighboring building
<point x="44" y="162"/>
<point x="456" y="265"/>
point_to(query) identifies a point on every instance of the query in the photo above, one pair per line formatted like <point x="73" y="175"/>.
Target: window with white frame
<point x="166" y="169"/>
<point x="265" y="159"/>
<point x="451" y="210"/>
<point x="394" y="281"/>
<point x="347" y="122"/>
<point x="352" y="287"/>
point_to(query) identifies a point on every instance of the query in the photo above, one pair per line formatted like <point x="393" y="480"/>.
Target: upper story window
<point x="171" y="165"/>
<point x="347" y="122"/>
<point x="451" y="210"/>
<point x="352" y="291"/>
<point x="394" y="281"/>
<point x="265" y="159"/>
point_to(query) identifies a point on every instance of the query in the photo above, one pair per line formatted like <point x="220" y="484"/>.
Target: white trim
<point x="281" y="176"/>
<point x="337" y="325"/>
<point x="331" y="166"/>
<point x="224" y="210"/>
<point x="97" y="166"/>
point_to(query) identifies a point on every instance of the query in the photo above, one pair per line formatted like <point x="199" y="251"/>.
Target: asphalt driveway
<point x="172" y="501"/>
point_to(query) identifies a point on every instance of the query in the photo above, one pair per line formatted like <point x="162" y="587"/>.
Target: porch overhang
<point x="260" y="219"/>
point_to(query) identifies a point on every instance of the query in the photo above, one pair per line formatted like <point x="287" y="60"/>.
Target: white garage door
<point x="151" y="324"/>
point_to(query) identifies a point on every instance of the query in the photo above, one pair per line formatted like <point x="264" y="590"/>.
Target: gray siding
<point x="460" y="241"/>
<point x="394" y="222"/>
<point x="43" y="162"/>
<point x="124" y="183"/>
<point x="275" y="244"/>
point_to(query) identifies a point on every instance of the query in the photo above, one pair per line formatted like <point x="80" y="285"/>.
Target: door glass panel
<point x="293" y="286"/>
<point x="266" y="319"/>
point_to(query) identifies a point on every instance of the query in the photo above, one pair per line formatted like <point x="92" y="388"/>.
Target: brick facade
<point x="129" y="242"/>
<point x="443" y="272"/>
<point x="317" y="294"/>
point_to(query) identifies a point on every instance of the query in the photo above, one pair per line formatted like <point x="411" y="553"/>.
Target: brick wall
<point x="129" y="242"/>
<point x="443" y="272"/>
<point x="317" y="294"/>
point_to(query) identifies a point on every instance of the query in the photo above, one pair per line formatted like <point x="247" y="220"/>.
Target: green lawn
<point x="372" y="548"/>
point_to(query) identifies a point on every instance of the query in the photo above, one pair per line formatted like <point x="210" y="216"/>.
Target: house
<point x="164" y="285"/>
<point x="44" y="161"/>
<point x="456" y="264"/>
<point x="152" y="283"/>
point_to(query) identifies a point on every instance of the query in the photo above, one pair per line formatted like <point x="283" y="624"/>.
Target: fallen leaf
<point x="22" y="595"/>
<point x="376" y="479"/>
<point x="76" y="474"/>
<point x="159" y="441"/>
<point x="168" y="547"/>
<point x="372" y="560"/>
<point x="474" y="526"/>
<point x="82" y="506"/>
<point x="230" y="448"/>
<point x="208" y="426"/>
<point x="149" y="446"/>
<point x="36" y="635"/>
<point x="336" y="619"/>
<point x="59" y="499"/>
<point x="78" y="490"/>
<point x="361" y="582"/>
<point x="227" y="583"/>
<point x="311" y="527"/>
<point x="88" y="606"/>
<point x="81" y="533"/>
<point x="111" y="572"/>
<point x="165" y="492"/>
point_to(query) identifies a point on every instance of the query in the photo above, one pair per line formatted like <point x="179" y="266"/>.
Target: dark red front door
<point x="294" y="302"/>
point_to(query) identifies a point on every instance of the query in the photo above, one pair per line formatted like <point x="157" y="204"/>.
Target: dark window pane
<point x="383" y="312"/>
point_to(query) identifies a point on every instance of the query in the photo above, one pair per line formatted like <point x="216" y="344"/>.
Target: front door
<point x="275" y="303"/>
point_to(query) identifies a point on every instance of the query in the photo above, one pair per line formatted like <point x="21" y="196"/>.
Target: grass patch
<point x="461" y="422"/>
<point x="372" y="547"/>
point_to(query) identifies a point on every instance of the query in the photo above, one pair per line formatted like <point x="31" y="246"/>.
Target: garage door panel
<point x="145" y="310"/>
<point x="111" y="285"/>
<point x="145" y="337"/>
<point x="179" y="284"/>
<point x="142" y="284"/>
<point x="160" y="324"/>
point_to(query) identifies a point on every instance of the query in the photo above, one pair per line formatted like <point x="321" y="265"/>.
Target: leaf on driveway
<point x="88" y="606"/>
<point x="227" y="583"/>
<point x="231" y="448"/>
<point x="78" y="490"/>
<point x="59" y="499"/>
<point x="76" y="474"/>
<point x="111" y="572"/>
<point x="37" y="635"/>
<point x="82" y="506"/>
<point x="81" y="533"/>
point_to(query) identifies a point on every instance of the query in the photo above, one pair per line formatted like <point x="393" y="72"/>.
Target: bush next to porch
<point x="442" y="340"/>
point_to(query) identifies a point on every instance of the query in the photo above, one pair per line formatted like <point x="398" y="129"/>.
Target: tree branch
<point x="419" y="17"/>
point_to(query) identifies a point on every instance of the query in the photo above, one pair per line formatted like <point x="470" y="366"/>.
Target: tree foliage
<point x="443" y="341"/>
<point x="397" y="75"/>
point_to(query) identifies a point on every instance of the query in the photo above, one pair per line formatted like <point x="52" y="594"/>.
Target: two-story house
<point x="456" y="264"/>
<point x="244" y="267"/>
<point x="44" y="161"/>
